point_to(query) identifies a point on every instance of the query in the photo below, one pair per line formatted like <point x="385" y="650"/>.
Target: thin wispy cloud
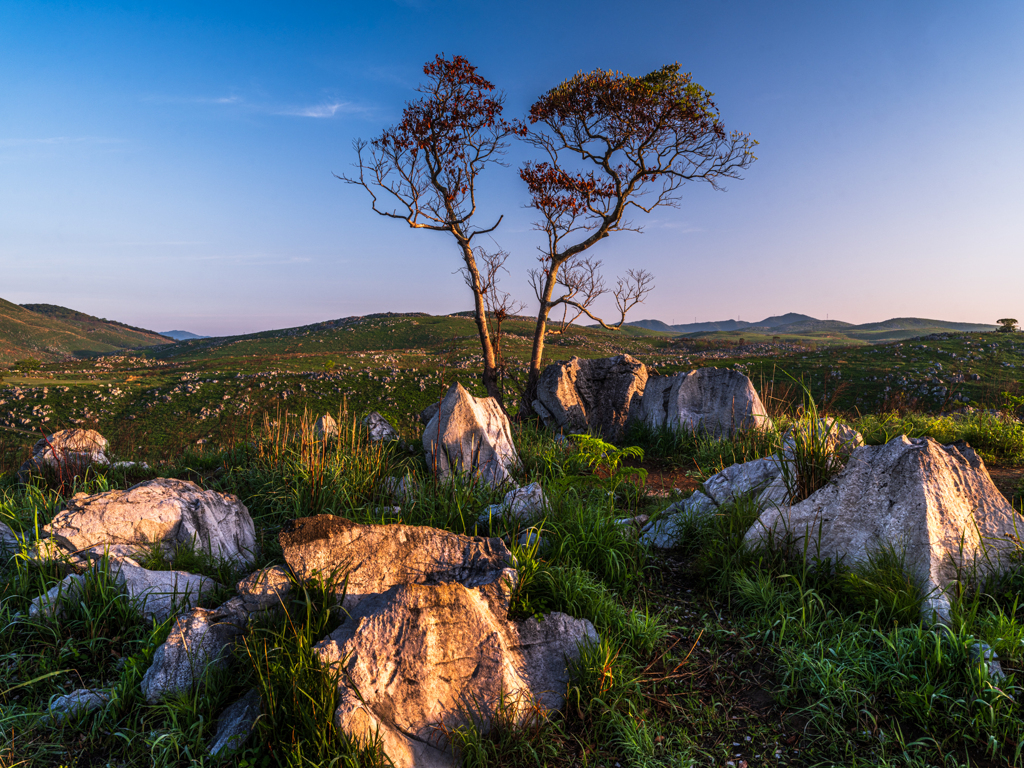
<point x="326" y="109"/>
<point x="163" y="99"/>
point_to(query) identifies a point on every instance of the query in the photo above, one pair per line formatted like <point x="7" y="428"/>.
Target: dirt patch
<point x="666" y="480"/>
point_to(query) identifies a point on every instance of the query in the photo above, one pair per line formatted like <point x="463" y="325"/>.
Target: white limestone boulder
<point x="164" y="511"/>
<point x="936" y="504"/>
<point x="379" y="429"/>
<point x="160" y="594"/>
<point x="581" y="395"/>
<point x="374" y="558"/>
<point x="421" y="659"/>
<point x="50" y="604"/>
<point x="199" y="641"/>
<point x="470" y="435"/>
<point x="235" y="724"/>
<point x="712" y="401"/>
<point x="68" y="453"/>
<point x="427" y="644"/>
<point x="521" y="505"/>
<point x="325" y="427"/>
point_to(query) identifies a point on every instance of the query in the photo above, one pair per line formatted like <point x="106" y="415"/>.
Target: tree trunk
<point x="490" y="364"/>
<point x="537" y="355"/>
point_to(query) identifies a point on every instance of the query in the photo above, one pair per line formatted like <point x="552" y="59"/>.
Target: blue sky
<point x="170" y="165"/>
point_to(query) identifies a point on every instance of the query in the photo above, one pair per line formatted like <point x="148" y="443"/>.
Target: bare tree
<point x="500" y="305"/>
<point x="424" y="170"/>
<point x="583" y="283"/>
<point x="614" y="143"/>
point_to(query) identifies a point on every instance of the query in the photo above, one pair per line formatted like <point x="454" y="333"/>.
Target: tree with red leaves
<point x="424" y="170"/>
<point x="614" y="143"/>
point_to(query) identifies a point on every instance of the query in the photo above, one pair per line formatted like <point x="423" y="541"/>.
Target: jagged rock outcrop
<point x="420" y="659"/>
<point x="164" y="511"/>
<point x="470" y="435"/>
<point x="427" y="644"/>
<point x="375" y="558"/>
<point x="713" y="401"/>
<point x="581" y="395"/>
<point x="379" y="429"/>
<point x="936" y="504"/>
<point x="69" y="452"/>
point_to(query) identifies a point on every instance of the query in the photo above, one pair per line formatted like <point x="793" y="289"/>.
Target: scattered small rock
<point x="325" y="427"/>
<point x="77" y="703"/>
<point x="380" y="430"/>
<point x="235" y="724"/>
<point x="521" y="505"/>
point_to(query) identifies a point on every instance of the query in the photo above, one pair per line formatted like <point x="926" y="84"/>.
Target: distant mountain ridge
<point x="795" y="323"/>
<point x="182" y="335"/>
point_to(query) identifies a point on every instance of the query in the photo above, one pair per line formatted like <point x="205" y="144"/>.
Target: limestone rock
<point x="76" y="703"/>
<point x="160" y="594"/>
<point x="936" y="503"/>
<point x="68" y="452"/>
<point x="428" y="413"/>
<point x="421" y="658"/>
<point x="325" y="427"/>
<point x="200" y="640"/>
<point x="591" y="394"/>
<point x="401" y="488"/>
<point x="840" y="439"/>
<point x="265" y="589"/>
<point x="761" y="478"/>
<point x="163" y="511"/>
<point x="380" y="429"/>
<point x="235" y="724"/>
<point x="470" y="435"/>
<point x="376" y="558"/>
<point x="982" y="653"/>
<point x="51" y="604"/>
<point x="521" y="505"/>
<point x="10" y="543"/>
<point x="532" y="538"/>
<point x="713" y="401"/>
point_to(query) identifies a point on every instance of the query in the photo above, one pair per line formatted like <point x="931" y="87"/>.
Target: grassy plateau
<point x="711" y="654"/>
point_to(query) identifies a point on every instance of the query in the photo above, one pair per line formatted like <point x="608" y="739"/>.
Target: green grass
<point x="702" y="648"/>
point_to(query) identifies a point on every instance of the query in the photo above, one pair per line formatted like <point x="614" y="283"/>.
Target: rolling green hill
<point x="48" y="333"/>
